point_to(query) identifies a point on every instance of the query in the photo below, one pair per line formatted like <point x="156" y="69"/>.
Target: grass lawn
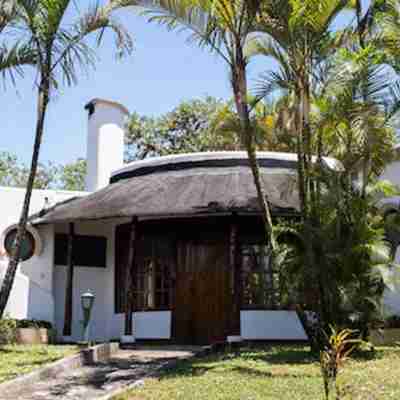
<point x="16" y="360"/>
<point x="275" y="372"/>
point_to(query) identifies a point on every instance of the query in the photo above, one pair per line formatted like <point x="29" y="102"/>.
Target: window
<point x="88" y="251"/>
<point x="153" y="276"/>
<point x="259" y="282"/>
<point x="27" y="245"/>
<point x="152" y="286"/>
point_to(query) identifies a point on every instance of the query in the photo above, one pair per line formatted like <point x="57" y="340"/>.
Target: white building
<point x="182" y="231"/>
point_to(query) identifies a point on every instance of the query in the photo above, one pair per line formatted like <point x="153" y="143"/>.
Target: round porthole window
<point x="31" y="244"/>
<point x="27" y="246"/>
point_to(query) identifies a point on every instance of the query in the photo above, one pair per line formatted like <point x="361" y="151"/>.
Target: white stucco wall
<point x="146" y="325"/>
<point x="105" y="143"/>
<point x="105" y="324"/>
<point x="32" y="294"/>
<point x="392" y="173"/>
<point x="98" y="280"/>
<point x="271" y="325"/>
<point x="392" y="292"/>
<point x="11" y="201"/>
<point x="152" y="325"/>
<point x="17" y="306"/>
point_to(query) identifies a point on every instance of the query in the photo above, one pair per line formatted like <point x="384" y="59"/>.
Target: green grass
<point x="276" y="372"/>
<point x="16" y="360"/>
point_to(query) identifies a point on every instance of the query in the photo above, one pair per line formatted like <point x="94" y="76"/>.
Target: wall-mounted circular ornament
<point x="31" y="244"/>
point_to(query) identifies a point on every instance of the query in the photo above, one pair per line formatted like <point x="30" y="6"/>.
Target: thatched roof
<point x="205" y="183"/>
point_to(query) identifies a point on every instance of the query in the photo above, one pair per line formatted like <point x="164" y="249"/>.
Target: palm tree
<point x="311" y="71"/>
<point x="58" y="49"/>
<point x="355" y="115"/>
<point x="224" y="27"/>
<point x="297" y="36"/>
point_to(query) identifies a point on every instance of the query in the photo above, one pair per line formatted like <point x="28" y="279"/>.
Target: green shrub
<point x="33" y="323"/>
<point x="7" y="330"/>
<point x="8" y="327"/>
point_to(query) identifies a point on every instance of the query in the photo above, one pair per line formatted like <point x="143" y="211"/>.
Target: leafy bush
<point x="33" y="323"/>
<point x="7" y="330"/>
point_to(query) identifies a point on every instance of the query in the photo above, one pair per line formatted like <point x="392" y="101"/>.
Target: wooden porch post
<point x="130" y="268"/>
<point x="236" y="273"/>
<point x="69" y="282"/>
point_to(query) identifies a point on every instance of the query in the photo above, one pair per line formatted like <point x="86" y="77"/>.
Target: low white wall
<point x="146" y="325"/>
<point x="271" y="325"/>
<point x="152" y="325"/>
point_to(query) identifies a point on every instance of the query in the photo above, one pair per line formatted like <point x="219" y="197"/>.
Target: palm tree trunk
<point x="8" y="281"/>
<point x="366" y="160"/>
<point x="300" y="157"/>
<point x="239" y="86"/>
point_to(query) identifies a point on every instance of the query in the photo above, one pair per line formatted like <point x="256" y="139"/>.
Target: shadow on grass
<point x="278" y="355"/>
<point x="236" y="362"/>
<point x="4" y="350"/>
<point x="374" y="354"/>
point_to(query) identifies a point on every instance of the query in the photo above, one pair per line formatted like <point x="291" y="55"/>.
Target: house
<point x="182" y="232"/>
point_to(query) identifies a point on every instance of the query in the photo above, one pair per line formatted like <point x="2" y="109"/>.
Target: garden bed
<point x="16" y="360"/>
<point x="276" y="372"/>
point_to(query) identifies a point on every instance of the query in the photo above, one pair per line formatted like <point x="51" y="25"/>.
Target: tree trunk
<point x="367" y="157"/>
<point x="300" y="157"/>
<point x="130" y="277"/>
<point x="235" y="271"/>
<point x="69" y="290"/>
<point x="43" y="101"/>
<point x="239" y="86"/>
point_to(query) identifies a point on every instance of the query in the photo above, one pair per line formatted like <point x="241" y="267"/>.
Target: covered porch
<point x="191" y="281"/>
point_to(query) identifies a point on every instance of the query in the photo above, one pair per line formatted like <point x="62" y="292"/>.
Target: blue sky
<point x="162" y="71"/>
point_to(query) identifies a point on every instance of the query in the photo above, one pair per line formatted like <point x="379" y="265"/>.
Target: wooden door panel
<point x="203" y="297"/>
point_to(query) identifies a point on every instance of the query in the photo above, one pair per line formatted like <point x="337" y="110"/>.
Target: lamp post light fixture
<point x="87" y="301"/>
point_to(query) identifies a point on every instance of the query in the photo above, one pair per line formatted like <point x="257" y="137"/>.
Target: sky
<point x="162" y="71"/>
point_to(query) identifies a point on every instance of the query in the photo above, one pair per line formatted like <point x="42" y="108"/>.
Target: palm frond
<point x="12" y="60"/>
<point x="71" y="50"/>
<point x="8" y="13"/>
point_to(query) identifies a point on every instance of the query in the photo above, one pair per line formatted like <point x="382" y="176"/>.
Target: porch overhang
<point x="194" y="185"/>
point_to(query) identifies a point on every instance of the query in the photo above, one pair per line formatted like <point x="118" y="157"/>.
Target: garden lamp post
<point x="87" y="301"/>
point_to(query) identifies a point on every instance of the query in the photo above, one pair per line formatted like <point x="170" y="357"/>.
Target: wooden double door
<point x="203" y="307"/>
<point x="190" y="274"/>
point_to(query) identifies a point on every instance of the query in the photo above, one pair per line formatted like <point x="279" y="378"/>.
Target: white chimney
<point x="105" y="141"/>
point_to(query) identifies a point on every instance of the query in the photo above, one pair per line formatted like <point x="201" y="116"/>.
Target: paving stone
<point x="91" y="382"/>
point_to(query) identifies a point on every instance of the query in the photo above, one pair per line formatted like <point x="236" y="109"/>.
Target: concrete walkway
<point x="97" y="381"/>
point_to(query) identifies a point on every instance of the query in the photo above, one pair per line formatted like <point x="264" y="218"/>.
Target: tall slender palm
<point x="297" y="34"/>
<point x="224" y="27"/>
<point x="59" y="48"/>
